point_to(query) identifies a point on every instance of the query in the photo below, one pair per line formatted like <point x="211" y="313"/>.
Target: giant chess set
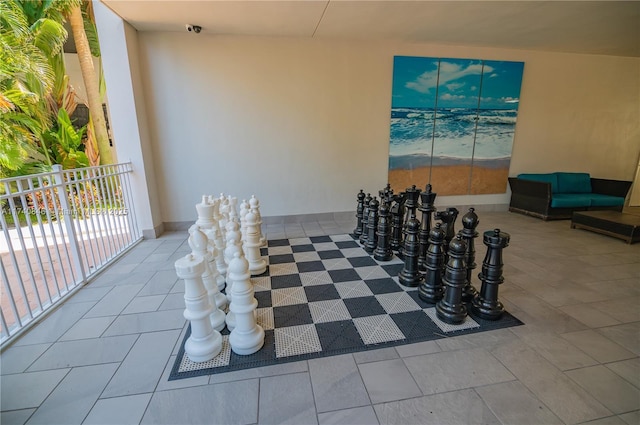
<point x="396" y="279"/>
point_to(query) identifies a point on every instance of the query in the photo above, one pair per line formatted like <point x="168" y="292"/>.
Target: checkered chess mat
<point x="325" y="295"/>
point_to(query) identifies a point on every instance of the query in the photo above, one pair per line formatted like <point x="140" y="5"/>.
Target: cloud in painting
<point x="493" y="75"/>
<point x="448" y="72"/>
<point x="449" y="96"/>
<point x="510" y="100"/>
<point x="455" y="86"/>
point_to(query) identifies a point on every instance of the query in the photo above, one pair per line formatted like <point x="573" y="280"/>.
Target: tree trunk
<point x="91" y="84"/>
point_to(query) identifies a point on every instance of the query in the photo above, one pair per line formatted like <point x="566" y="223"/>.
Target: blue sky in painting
<point x="416" y="83"/>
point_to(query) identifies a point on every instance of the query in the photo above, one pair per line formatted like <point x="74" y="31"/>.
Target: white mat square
<point x="278" y="250"/>
<point x="469" y="323"/>
<point x="377" y="329"/>
<point x="353" y="289"/>
<point x="288" y="296"/>
<point x="222" y="359"/>
<point x="315" y="278"/>
<point x="295" y="340"/>
<point x="329" y="311"/>
<point x="264" y="317"/>
<point x="397" y="302"/>
<point x="261" y="283"/>
<point x="371" y="272"/>
<point x="337" y="264"/>
<point x="306" y="256"/>
<point x="282" y="269"/>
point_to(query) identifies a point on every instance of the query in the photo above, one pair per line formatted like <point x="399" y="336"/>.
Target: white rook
<point x="198" y="243"/>
<point x="205" y="213"/>
<point x="247" y="337"/>
<point x="204" y="343"/>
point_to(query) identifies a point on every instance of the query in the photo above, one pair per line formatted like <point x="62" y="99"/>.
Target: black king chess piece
<point x="427" y="198"/>
<point x="486" y="303"/>
<point x="410" y="274"/>
<point x="365" y="219"/>
<point x="450" y="309"/>
<point x="397" y="215"/>
<point x="469" y="223"/>
<point x="383" y="250"/>
<point x="359" y="211"/>
<point x="431" y="288"/>
<point x="372" y="227"/>
<point x="448" y="218"/>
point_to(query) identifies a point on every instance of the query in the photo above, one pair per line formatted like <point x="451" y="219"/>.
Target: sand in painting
<point x="449" y="180"/>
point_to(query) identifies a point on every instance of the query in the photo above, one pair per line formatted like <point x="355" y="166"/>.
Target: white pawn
<point x="254" y="205"/>
<point x="247" y="337"/>
<point x="234" y="246"/>
<point x="198" y="243"/>
<point x="233" y="207"/>
<point x="205" y="213"/>
<point x="215" y="239"/>
<point x="257" y="264"/>
<point x="244" y="210"/>
<point x="204" y="343"/>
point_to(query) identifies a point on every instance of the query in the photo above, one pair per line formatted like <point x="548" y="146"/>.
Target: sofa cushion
<point x="570" y="200"/>
<point x="599" y="200"/>
<point x="574" y="183"/>
<point x="546" y="178"/>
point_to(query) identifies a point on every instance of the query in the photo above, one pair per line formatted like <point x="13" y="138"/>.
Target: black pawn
<point x="365" y="219"/>
<point x="383" y="250"/>
<point x="427" y="198"/>
<point x="431" y="289"/>
<point x="469" y="223"/>
<point x="486" y="303"/>
<point x="410" y="205"/>
<point x="450" y="309"/>
<point x="397" y="215"/>
<point x="372" y="227"/>
<point x="410" y="275"/>
<point x="359" y="211"/>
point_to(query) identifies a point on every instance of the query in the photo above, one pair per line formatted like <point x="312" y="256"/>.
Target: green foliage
<point x="66" y="143"/>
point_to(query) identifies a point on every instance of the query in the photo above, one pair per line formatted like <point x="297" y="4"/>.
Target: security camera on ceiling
<point x="193" y="28"/>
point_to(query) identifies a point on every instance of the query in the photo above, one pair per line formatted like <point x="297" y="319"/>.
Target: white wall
<point x="304" y="124"/>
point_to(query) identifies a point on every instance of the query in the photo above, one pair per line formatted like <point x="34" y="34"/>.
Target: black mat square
<point x="347" y="244"/>
<point x="339" y="336"/>
<point x="291" y="315"/>
<point x="278" y="242"/>
<point x="416" y="297"/>
<point x="264" y="252"/>
<point x="303" y="248"/>
<point x="362" y="261"/>
<point x="344" y="275"/>
<point x="281" y="258"/>
<point x="416" y="324"/>
<point x="263" y="298"/>
<point x="320" y="239"/>
<point x="333" y="253"/>
<point x="321" y="292"/>
<point x="363" y="306"/>
<point x="384" y="285"/>
<point x="285" y="281"/>
<point x="393" y="269"/>
<point x="310" y="266"/>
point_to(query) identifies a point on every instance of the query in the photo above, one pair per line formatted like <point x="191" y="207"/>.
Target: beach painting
<point x="453" y="123"/>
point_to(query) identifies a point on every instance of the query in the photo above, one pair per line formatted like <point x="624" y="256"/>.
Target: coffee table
<point x="612" y="223"/>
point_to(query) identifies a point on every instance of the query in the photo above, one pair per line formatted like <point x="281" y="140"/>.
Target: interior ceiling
<point x="592" y="27"/>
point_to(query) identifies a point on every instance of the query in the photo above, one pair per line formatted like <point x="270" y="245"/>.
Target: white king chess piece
<point x="198" y="243"/>
<point x="204" y="343"/>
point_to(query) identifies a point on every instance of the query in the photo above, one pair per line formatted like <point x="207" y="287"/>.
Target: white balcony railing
<point x="60" y="228"/>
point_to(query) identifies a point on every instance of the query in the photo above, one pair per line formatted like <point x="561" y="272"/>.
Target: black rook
<point x="410" y="275"/>
<point x="431" y="289"/>
<point x="486" y="303"/>
<point x="383" y="250"/>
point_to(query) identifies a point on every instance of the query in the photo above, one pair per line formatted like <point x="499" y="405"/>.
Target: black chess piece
<point x="359" y="211"/>
<point x="410" y="275"/>
<point x="410" y="205"/>
<point x="448" y="218"/>
<point x="486" y="303"/>
<point x="372" y="226"/>
<point x="383" y="250"/>
<point x="450" y="309"/>
<point x="397" y="215"/>
<point x="365" y="219"/>
<point x="427" y="198"/>
<point x="431" y="288"/>
<point x="469" y="223"/>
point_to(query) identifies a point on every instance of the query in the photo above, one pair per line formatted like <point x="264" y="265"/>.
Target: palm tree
<point x="97" y="123"/>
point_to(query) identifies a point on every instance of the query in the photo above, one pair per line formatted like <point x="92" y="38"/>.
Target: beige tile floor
<point x="104" y="356"/>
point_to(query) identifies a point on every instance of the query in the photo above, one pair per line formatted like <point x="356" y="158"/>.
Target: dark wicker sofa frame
<point x="534" y="198"/>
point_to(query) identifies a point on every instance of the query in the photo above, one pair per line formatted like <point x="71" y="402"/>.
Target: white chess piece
<point x="234" y="246"/>
<point x="254" y="205"/>
<point x="257" y="264"/>
<point x="199" y="243"/>
<point x="204" y="343"/>
<point x="244" y="209"/>
<point x="247" y="337"/>
<point x="215" y="240"/>
<point x="205" y="213"/>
